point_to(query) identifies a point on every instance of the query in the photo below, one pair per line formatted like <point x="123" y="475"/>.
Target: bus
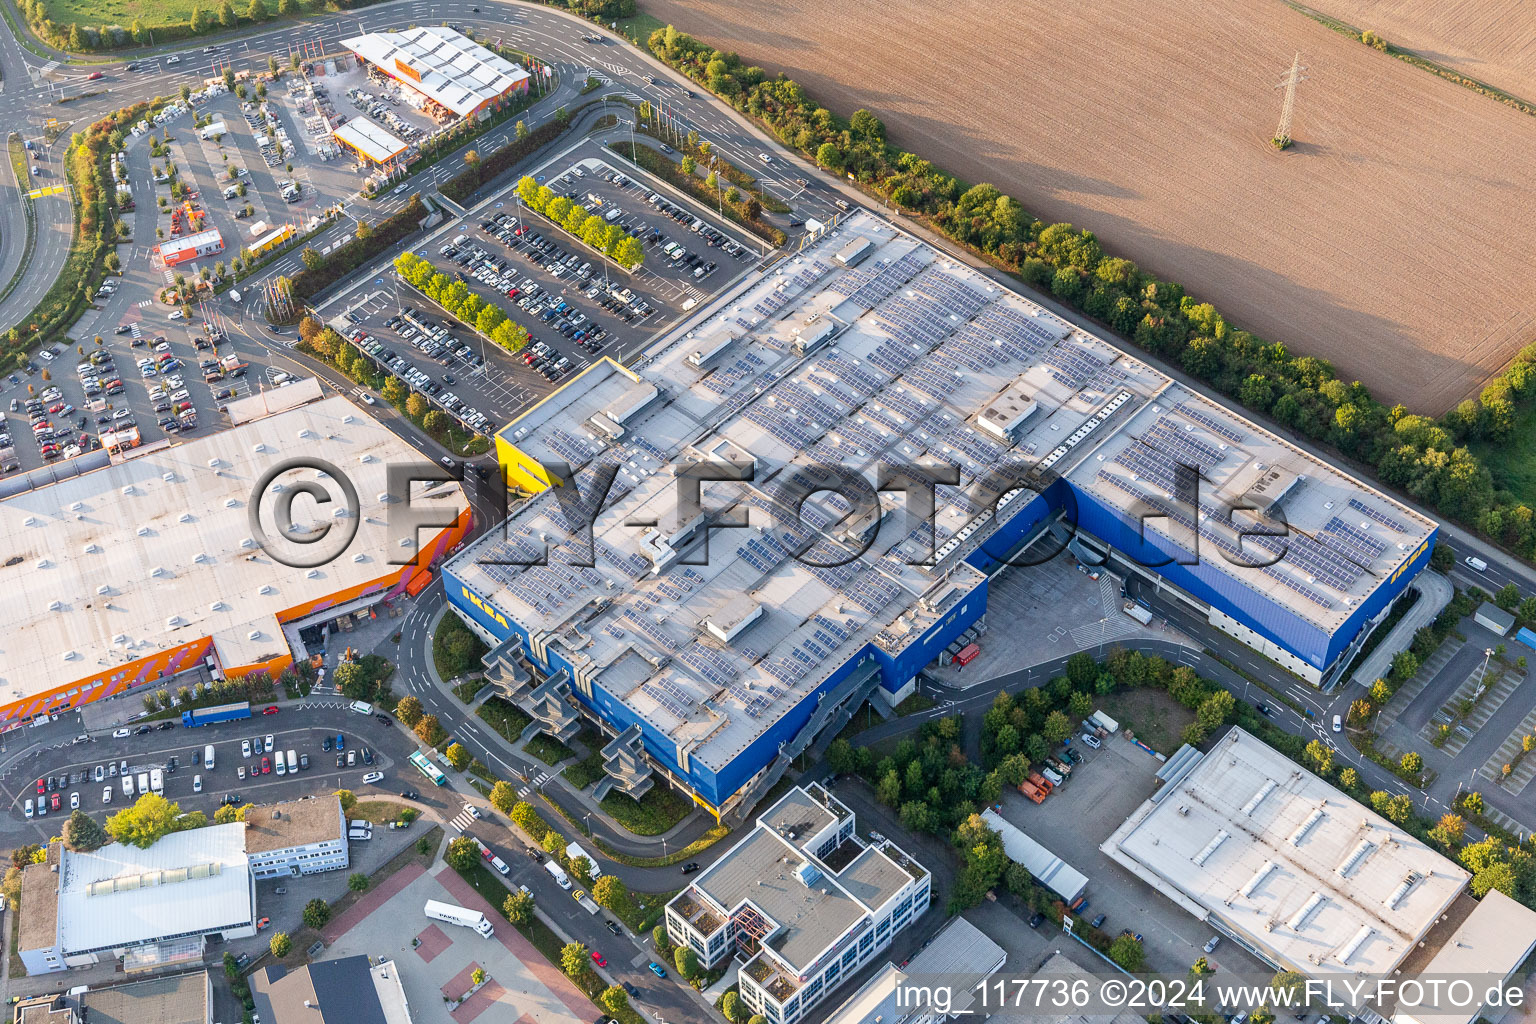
<point x="428" y="769"/>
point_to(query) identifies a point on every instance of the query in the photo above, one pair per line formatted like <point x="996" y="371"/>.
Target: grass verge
<point x="588" y="770"/>
<point x="658" y="810"/>
<point x="504" y="717"/>
<point x="693" y="849"/>
<point x="550" y="751"/>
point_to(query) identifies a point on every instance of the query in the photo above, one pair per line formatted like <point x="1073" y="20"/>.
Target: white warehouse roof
<point x="1047" y="868"/>
<point x="441" y="64"/>
<point x="104" y="563"/>
<point x="186" y="883"/>
<point x="1309" y="877"/>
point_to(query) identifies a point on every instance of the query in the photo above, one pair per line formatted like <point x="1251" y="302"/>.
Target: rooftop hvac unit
<point x="144" y="531"/>
<point x="104" y="589"/>
<point x="168" y="476"/>
<point x="130" y="489"/>
<point x="259" y="447"/>
<point x="231" y="502"/>
<point x="185" y="517"/>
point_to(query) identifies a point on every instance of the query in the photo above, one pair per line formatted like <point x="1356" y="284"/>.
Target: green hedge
<point x="344" y="259"/>
<point x="1425" y="457"/>
<point x="462" y="185"/>
<point x="87" y="167"/>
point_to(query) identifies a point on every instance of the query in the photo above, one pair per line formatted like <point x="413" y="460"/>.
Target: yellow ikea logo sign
<point x="1411" y="559"/>
<point x="474" y="599"/>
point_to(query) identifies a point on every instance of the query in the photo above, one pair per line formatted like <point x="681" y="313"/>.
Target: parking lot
<point x="246" y="765"/>
<point x="576" y="305"/>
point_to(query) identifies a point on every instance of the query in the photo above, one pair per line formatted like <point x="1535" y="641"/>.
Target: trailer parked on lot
<point x="221" y="713"/>
<point x="451" y="914"/>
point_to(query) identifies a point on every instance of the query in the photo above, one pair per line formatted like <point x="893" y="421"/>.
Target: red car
<point x="56" y="407"/>
<point x="597" y="958"/>
<point x="39" y="785"/>
<point x="271" y="710"/>
<point x="93" y="76"/>
<point x="53" y="802"/>
<point x="266" y="766"/>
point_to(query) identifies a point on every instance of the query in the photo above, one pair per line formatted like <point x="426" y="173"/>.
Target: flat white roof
<point x="370" y="139"/>
<point x="444" y="65"/>
<point x="187" y="882"/>
<point x="1047" y="868"/>
<point x="185" y="242"/>
<point x="155" y="549"/>
<point x="1309" y="877"/>
<point x="1494" y="940"/>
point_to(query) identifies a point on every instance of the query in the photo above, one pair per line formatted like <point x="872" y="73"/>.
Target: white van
<point x="1477" y="563"/>
<point x="362" y="707"/>
<point x="293" y="762"/>
<point x="208" y="757"/>
<point x="127" y="785"/>
<point x="278" y="763"/>
<point x="157" y="781"/>
<point x="143" y="783"/>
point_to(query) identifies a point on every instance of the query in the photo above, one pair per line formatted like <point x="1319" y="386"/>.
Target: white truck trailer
<point x="458" y="915"/>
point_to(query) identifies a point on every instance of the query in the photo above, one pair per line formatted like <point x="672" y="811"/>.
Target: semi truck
<point x="221" y="713"/>
<point x="572" y="852"/>
<point x="451" y="914"/>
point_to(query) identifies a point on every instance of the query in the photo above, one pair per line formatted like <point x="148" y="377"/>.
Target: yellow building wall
<point x="521" y="470"/>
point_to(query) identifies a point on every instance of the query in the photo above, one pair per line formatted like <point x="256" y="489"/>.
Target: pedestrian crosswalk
<point x="461" y="822"/>
<point x="534" y="783"/>
<point x="142" y="305"/>
<point x="134" y="332"/>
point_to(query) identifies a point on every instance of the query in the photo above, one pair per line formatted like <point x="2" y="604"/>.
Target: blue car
<point x="657" y="969"/>
<point x="341" y="743"/>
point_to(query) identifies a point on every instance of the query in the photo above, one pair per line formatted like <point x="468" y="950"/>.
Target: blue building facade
<point x="1206" y="583"/>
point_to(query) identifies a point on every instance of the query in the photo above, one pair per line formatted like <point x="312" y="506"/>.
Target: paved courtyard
<point x="1067" y="611"/>
<point x="435" y="960"/>
<point x="1073" y="821"/>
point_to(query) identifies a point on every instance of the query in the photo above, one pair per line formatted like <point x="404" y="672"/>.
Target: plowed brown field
<point x="1393" y="239"/>
<point x="1494" y="41"/>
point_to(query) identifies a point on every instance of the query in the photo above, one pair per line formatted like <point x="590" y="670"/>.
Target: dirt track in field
<point x="1493" y="41"/>
<point x="1393" y="239"/>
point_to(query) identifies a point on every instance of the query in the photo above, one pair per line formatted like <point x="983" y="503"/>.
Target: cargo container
<point x="967" y="655"/>
<point x="1032" y="791"/>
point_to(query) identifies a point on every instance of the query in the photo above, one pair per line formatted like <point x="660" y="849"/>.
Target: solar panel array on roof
<point x="1379" y="516"/>
<point x="1211" y="423"/>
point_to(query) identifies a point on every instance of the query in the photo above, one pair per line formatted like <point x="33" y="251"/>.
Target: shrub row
<point x="745" y="210"/>
<point x="591" y="229"/>
<point x="87" y="166"/>
<point x="462" y="185"/>
<point x="485" y="318"/>
<point x="1423" y="456"/>
<point x="370" y="241"/>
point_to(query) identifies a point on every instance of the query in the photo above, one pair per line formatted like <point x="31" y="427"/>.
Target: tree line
<point x="1426" y="457"/>
<point x="592" y="229"/>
